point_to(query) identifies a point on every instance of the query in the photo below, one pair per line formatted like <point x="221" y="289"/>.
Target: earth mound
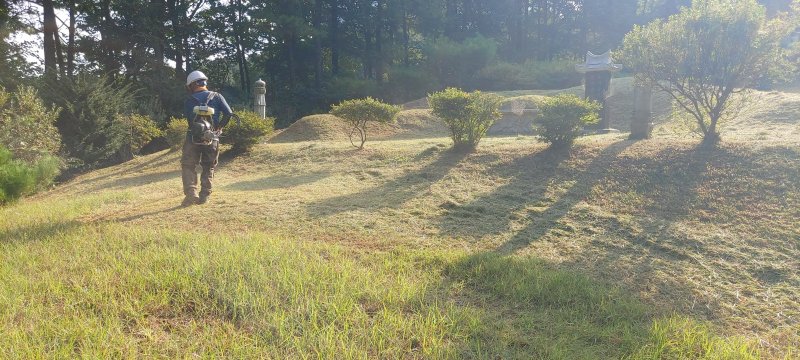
<point x="410" y="124"/>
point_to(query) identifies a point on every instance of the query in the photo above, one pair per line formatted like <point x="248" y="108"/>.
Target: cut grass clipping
<point x="70" y="289"/>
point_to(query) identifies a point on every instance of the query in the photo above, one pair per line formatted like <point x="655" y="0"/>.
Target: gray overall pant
<point x="205" y="155"/>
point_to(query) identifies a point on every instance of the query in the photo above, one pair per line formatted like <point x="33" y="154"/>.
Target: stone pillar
<point x="598" y="88"/>
<point x="642" y="122"/>
<point x="260" y="101"/>
<point x="597" y="72"/>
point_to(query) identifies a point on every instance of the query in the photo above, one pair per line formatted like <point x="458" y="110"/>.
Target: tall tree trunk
<point x="71" y="40"/>
<point x="334" y="36"/>
<point x="317" y="21"/>
<point x="50" y="31"/>
<point x="290" y="53"/>
<point x="406" y="37"/>
<point x="177" y="40"/>
<point x="378" y="57"/>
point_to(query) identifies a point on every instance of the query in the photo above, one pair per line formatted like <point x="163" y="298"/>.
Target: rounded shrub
<point x="244" y="134"/>
<point x="562" y="118"/>
<point x="176" y="131"/>
<point x="359" y="112"/>
<point x="468" y="115"/>
<point x="130" y="133"/>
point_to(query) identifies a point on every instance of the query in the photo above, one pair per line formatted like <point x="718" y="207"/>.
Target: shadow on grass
<point x="540" y="223"/>
<point x="530" y="309"/>
<point x="394" y="192"/>
<point x="38" y="231"/>
<point x="139" y="180"/>
<point x="277" y="182"/>
<point x="124" y="168"/>
<point x="151" y="213"/>
<point x="528" y="197"/>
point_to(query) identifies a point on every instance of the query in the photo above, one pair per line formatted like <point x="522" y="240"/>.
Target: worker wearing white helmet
<point x="203" y="109"/>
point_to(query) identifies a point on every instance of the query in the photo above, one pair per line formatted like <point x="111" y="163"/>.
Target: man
<point x="201" y="106"/>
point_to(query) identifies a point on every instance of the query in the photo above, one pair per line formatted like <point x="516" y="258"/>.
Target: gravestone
<point x="642" y="121"/>
<point x="597" y="72"/>
<point x="260" y="101"/>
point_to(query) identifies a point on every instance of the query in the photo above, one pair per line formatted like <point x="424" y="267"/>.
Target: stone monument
<point x="642" y="121"/>
<point x="597" y="72"/>
<point x="260" y="101"/>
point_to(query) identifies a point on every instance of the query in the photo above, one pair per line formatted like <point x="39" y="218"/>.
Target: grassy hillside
<point x="649" y="249"/>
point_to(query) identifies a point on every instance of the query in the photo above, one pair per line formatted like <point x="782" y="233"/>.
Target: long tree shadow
<point x="278" y="182"/>
<point x="679" y="192"/>
<point x="540" y="223"/>
<point x="157" y="161"/>
<point x="491" y="214"/>
<point x="139" y="180"/>
<point x="394" y="192"/>
<point x="530" y="308"/>
<point x="38" y="231"/>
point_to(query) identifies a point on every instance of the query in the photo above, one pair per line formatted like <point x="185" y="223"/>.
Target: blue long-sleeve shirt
<point x="218" y="103"/>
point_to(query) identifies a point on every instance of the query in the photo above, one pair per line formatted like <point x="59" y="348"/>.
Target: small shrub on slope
<point x="176" y="132"/>
<point x="468" y="115"/>
<point x="17" y="178"/>
<point x="359" y="112"/>
<point x="244" y="134"/>
<point x="563" y="117"/>
<point x="133" y="132"/>
<point x="27" y="127"/>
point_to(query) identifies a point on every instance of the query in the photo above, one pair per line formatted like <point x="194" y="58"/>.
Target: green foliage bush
<point x="468" y="115"/>
<point x="359" y="112"/>
<point x="563" y="117"/>
<point x="27" y="126"/>
<point x="245" y="134"/>
<point x="18" y="178"/>
<point x="133" y="132"/>
<point x="176" y="131"/>
<point x="90" y="105"/>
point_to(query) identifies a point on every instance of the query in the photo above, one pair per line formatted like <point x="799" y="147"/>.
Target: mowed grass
<point x="614" y="249"/>
<point x="103" y="290"/>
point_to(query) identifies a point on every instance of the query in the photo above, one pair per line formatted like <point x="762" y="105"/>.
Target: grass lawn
<point x="615" y="249"/>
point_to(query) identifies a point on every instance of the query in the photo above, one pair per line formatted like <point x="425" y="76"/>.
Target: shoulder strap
<point x="211" y="95"/>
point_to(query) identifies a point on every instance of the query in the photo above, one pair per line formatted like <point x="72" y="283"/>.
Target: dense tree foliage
<point x="314" y="53"/>
<point x="102" y="59"/>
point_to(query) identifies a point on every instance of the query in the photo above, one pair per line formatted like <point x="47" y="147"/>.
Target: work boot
<point x="202" y="200"/>
<point x="190" y="200"/>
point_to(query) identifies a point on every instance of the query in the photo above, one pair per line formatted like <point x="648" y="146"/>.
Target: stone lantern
<point x="597" y="72"/>
<point x="260" y="101"/>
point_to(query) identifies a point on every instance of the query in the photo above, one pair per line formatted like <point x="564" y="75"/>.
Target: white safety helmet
<point x="194" y="76"/>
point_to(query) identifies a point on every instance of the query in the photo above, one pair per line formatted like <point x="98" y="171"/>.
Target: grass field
<point x="616" y="249"/>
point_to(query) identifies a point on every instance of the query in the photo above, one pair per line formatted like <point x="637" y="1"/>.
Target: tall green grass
<point x="92" y="290"/>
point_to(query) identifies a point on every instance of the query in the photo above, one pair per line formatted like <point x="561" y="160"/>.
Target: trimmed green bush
<point x="563" y="117"/>
<point x="468" y="115"/>
<point x="242" y="136"/>
<point x="175" y="133"/>
<point x="359" y="112"/>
